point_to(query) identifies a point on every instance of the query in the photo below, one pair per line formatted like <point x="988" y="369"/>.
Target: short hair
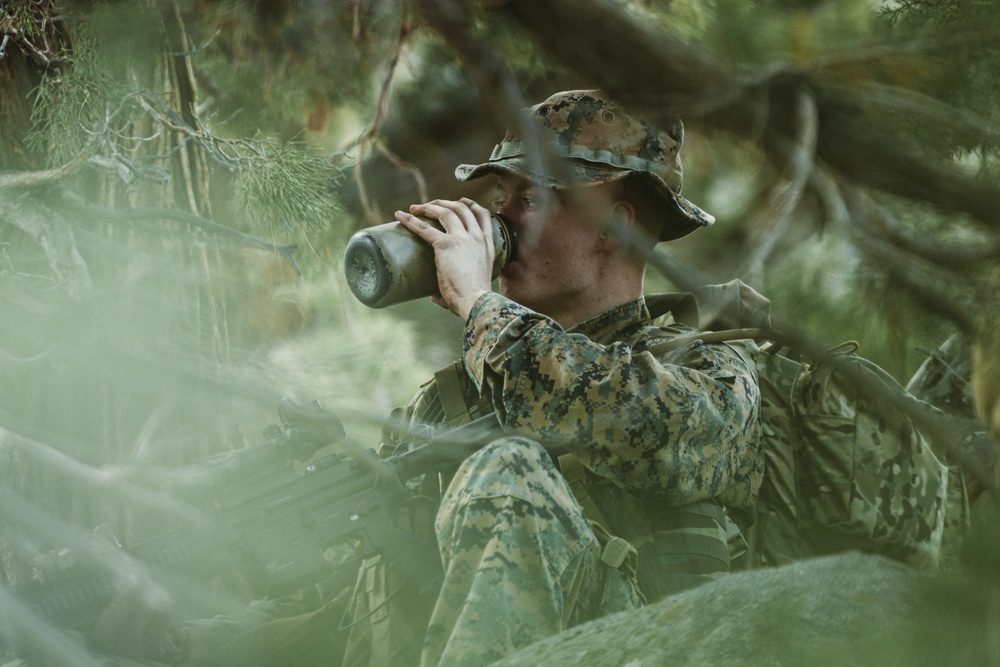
<point x="652" y="212"/>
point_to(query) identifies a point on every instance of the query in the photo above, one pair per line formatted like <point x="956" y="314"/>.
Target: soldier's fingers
<point x="483" y="215"/>
<point x="418" y="226"/>
<point x="454" y="216"/>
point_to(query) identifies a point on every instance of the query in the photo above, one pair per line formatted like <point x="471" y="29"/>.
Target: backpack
<point x="846" y="468"/>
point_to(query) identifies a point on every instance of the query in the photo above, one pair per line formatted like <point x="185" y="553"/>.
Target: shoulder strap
<point x="616" y="552"/>
<point x="681" y="305"/>
<point x="453" y="387"/>
<point x="703" y="337"/>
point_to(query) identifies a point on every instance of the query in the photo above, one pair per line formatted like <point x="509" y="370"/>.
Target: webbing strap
<point x="704" y="337"/>
<point x="451" y="381"/>
<point x="616" y="551"/>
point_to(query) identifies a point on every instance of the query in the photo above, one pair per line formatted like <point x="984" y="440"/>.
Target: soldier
<point x="654" y="437"/>
<point x="624" y="437"/>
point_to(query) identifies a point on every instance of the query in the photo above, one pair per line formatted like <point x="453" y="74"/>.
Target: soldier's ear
<point x="622" y="217"/>
<point x="624" y="213"/>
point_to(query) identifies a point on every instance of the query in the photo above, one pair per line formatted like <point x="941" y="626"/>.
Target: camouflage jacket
<point x="664" y="434"/>
<point x="678" y="426"/>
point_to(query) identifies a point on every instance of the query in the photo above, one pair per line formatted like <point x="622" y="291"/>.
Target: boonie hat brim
<point x="685" y="217"/>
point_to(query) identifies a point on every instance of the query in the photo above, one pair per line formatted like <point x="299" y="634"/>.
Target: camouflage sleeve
<point x="680" y="430"/>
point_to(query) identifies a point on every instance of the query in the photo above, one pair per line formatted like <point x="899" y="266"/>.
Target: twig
<point x="911" y="272"/>
<point x="286" y="251"/>
<point x="403" y="165"/>
<point x="936" y="112"/>
<point x="827" y="189"/>
<point x="194" y="49"/>
<point x="949" y="255"/>
<point x="9" y="360"/>
<point x="381" y="109"/>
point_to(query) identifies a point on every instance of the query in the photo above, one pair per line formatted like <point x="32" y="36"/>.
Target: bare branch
<point x="773" y="218"/>
<point x="33" y="178"/>
<point x="933" y="111"/>
<point x="827" y="189"/>
<point x="382" y="106"/>
<point x="942" y="292"/>
<point x="957" y="256"/>
<point x="10" y="361"/>
<point x="403" y="165"/>
<point x="132" y="214"/>
<point x="54" y="235"/>
<point x="370" y="133"/>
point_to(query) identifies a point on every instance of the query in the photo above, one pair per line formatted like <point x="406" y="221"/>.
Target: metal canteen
<point x="388" y="264"/>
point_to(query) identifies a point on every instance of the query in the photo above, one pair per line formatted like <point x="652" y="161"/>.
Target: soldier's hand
<point x="463" y="249"/>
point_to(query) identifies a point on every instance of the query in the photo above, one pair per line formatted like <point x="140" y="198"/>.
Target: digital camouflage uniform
<point x="659" y="436"/>
<point x="605" y="487"/>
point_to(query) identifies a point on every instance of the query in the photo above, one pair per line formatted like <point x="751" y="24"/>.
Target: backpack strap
<point x="680" y="305"/>
<point x="453" y="390"/>
<point x="704" y="337"/>
<point x="615" y="551"/>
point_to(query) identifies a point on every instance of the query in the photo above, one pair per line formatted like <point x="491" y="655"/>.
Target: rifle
<point x="275" y="518"/>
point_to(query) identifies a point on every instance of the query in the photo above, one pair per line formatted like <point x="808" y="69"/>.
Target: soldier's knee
<point x="512" y="452"/>
<point x="510" y="466"/>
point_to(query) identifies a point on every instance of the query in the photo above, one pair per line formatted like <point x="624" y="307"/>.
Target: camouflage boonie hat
<point x="602" y="144"/>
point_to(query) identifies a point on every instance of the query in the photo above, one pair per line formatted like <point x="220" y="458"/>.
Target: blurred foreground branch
<point x="654" y="72"/>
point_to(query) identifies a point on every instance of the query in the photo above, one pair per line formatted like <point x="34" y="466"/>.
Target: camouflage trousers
<point x="521" y="561"/>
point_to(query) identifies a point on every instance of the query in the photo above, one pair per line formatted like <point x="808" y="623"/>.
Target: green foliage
<point x="20" y="18"/>
<point x="530" y="62"/>
<point x="277" y="67"/>
<point x="957" y="50"/>
<point x="88" y="103"/>
<point x="794" y="32"/>
<point x="116" y="44"/>
<point x="185" y="343"/>
<point x="95" y="105"/>
<point x="690" y="18"/>
<point x="285" y="187"/>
